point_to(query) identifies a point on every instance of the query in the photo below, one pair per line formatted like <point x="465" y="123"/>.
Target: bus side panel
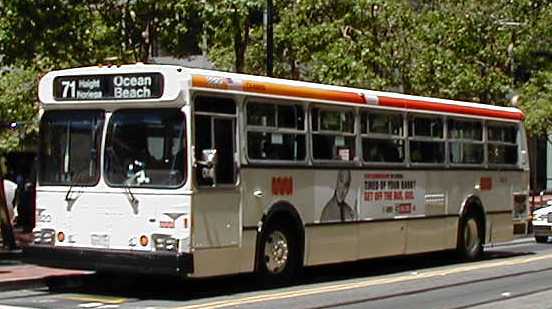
<point x="497" y="199"/>
<point x="425" y="235"/>
<point x="379" y="239"/>
<point x="216" y="261"/>
<point x="501" y="227"/>
<point x="331" y="243"/>
<point x="216" y="218"/>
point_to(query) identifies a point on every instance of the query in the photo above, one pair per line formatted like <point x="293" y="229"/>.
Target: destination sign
<point x="108" y="87"/>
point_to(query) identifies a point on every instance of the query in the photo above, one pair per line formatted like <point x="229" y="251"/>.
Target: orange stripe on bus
<point x="204" y="82"/>
<point x="448" y="108"/>
<point x="276" y="89"/>
<point x="303" y="92"/>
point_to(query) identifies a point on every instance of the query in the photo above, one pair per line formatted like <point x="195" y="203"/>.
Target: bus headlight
<point x="163" y="242"/>
<point x="44" y="237"/>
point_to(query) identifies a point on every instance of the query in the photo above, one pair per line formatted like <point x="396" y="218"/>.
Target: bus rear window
<point x="146" y="148"/>
<point x="69" y="147"/>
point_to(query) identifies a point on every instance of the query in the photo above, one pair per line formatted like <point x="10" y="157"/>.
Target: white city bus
<point x="166" y="169"/>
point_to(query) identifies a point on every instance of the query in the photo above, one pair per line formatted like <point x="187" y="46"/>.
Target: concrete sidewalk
<point x="15" y="274"/>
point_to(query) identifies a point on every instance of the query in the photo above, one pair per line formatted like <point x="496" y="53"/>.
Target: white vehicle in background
<point x="542" y="222"/>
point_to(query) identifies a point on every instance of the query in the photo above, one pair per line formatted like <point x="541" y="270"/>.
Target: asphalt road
<point x="516" y="276"/>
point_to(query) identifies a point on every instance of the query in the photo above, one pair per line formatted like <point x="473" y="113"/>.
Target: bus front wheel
<point x="541" y="239"/>
<point x="279" y="255"/>
<point x="470" y="239"/>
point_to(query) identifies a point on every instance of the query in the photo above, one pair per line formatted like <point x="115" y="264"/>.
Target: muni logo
<point x="282" y="185"/>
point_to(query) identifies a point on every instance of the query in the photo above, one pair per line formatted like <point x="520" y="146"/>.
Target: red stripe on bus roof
<point x="448" y="108"/>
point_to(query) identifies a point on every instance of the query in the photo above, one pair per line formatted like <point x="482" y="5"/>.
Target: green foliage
<point x="230" y="25"/>
<point x="536" y="102"/>
<point x="484" y="51"/>
<point x="18" y="92"/>
<point x="46" y="34"/>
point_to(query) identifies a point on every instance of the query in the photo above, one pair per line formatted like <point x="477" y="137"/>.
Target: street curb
<point x="33" y="283"/>
<point x="43" y="282"/>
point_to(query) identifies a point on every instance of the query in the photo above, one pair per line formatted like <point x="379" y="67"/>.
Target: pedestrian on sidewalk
<point x="7" y="198"/>
<point x="10" y="189"/>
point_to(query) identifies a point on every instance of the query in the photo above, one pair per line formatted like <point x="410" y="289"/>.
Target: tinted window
<point x="146" y="148"/>
<point x="426" y="140"/>
<point x="428" y="127"/>
<point x="466" y="145"/>
<point x="502" y="147"/>
<point x="382" y="150"/>
<point x="69" y="147"/>
<point x="276" y="132"/>
<point x="463" y="129"/>
<point x="466" y="153"/>
<point x="391" y="124"/>
<point x="333" y="135"/>
<point x="427" y="152"/>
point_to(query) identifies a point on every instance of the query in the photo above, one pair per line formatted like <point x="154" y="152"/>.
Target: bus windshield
<point x="69" y="147"/>
<point x="146" y="148"/>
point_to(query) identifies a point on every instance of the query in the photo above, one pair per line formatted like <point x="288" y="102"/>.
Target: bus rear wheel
<point x="279" y="255"/>
<point x="470" y="238"/>
<point x="541" y="239"/>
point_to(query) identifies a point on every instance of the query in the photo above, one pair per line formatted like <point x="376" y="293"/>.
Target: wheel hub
<point x="276" y="252"/>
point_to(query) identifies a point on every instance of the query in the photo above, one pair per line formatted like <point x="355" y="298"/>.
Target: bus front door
<point x="216" y="200"/>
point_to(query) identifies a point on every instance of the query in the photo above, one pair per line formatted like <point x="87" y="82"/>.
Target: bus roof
<point x="322" y="92"/>
<point x="177" y="78"/>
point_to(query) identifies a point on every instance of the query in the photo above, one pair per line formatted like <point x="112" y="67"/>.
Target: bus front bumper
<point x="166" y="263"/>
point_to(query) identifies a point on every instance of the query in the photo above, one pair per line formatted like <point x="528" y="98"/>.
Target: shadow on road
<point x="171" y="288"/>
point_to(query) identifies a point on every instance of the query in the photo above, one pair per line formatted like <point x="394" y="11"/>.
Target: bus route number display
<point x="108" y="87"/>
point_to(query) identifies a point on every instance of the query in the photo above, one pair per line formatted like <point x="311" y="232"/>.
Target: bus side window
<point x="333" y="135"/>
<point x="275" y="132"/>
<point x="426" y="139"/>
<point x="382" y="137"/>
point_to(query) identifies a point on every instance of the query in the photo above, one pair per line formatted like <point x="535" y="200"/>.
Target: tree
<point x="138" y="27"/>
<point x="229" y="25"/>
<point x="536" y="102"/>
<point x="48" y="34"/>
<point x="18" y="93"/>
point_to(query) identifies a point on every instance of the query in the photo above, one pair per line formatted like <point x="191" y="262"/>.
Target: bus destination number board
<point x="108" y="87"/>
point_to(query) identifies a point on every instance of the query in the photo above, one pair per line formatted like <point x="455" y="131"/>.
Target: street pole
<point x="269" y="38"/>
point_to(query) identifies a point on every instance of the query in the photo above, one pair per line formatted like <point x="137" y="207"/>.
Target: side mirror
<point x="209" y="158"/>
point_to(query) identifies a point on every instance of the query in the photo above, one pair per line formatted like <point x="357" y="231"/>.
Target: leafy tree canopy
<point x="18" y="91"/>
<point x="483" y="51"/>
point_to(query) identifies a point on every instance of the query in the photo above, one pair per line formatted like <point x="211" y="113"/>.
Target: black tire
<point x="541" y="239"/>
<point x="470" y="237"/>
<point x="279" y="255"/>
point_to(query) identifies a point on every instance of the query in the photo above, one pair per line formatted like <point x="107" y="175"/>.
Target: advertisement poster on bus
<point x="392" y="194"/>
<point x="361" y="195"/>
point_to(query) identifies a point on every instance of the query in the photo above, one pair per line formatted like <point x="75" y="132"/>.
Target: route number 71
<point x="68" y="85"/>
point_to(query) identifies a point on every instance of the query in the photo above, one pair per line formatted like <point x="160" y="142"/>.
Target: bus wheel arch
<point x="283" y="230"/>
<point x="471" y="233"/>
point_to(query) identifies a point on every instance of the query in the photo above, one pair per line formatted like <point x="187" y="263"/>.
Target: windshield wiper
<point x="139" y="178"/>
<point x="131" y="198"/>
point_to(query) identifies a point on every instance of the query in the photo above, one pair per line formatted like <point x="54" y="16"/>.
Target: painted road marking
<point x="362" y="284"/>
<point x="90" y="305"/>
<point x="95" y="299"/>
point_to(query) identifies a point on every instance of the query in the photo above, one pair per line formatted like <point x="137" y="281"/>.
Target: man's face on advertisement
<point x="342" y="186"/>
